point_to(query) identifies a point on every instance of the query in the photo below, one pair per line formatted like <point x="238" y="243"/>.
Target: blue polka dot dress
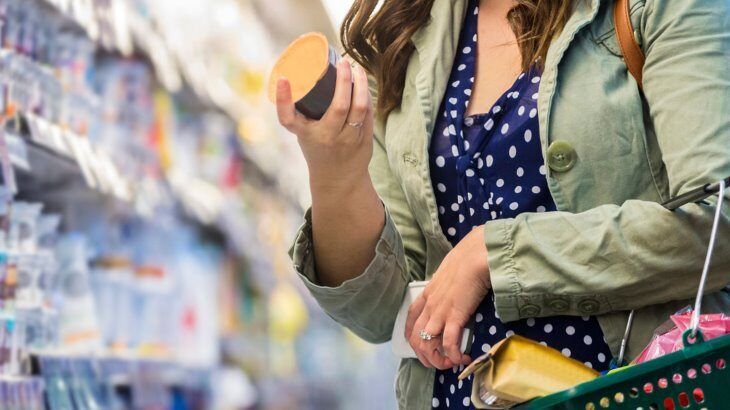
<point x="490" y="166"/>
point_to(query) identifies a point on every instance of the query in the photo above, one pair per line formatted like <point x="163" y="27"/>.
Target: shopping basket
<point x="695" y="377"/>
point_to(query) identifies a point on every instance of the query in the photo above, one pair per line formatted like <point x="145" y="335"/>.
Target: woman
<point x="514" y="162"/>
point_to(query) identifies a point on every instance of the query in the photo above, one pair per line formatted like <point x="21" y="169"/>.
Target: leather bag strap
<point x="633" y="55"/>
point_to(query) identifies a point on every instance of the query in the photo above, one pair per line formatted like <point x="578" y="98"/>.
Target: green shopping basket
<point x="695" y="377"/>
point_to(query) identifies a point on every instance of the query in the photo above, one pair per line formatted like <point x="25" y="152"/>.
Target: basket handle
<point x="693" y="332"/>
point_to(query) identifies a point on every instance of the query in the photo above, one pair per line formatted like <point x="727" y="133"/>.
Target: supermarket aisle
<point x="146" y="202"/>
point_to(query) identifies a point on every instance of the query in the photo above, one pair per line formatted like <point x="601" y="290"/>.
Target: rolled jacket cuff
<point x="502" y="269"/>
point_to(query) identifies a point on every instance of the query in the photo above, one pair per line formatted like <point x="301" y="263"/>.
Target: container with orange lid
<point x="310" y="65"/>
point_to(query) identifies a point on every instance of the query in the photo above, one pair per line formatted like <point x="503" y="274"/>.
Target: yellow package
<point x="517" y="370"/>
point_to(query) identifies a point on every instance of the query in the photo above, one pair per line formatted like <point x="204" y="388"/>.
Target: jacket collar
<point x="436" y="43"/>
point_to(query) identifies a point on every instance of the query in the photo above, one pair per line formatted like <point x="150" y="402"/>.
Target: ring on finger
<point x="356" y="125"/>
<point x="424" y="335"/>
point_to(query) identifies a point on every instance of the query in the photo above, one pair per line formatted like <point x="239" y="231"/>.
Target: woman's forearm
<point x="347" y="221"/>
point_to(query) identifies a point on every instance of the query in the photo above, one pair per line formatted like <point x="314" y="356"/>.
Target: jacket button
<point x="561" y="156"/>
<point x="529" y="310"/>
<point x="559" y="305"/>
<point x="588" y="306"/>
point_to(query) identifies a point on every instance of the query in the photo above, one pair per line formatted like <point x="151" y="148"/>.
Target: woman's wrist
<point x="326" y="185"/>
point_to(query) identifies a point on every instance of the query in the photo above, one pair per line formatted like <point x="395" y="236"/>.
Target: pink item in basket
<point x="712" y="326"/>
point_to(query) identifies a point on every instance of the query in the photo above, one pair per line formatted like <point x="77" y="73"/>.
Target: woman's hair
<point x="380" y="41"/>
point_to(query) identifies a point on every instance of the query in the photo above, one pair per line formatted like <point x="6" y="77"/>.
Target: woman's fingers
<point x="414" y="312"/>
<point x="285" y="109"/>
<point x="360" y="99"/>
<point x="452" y="343"/>
<point x="431" y="348"/>
<point x="340" y="107"/>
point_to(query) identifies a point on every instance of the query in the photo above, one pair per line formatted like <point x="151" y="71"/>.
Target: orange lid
<point x="303" y="63"/>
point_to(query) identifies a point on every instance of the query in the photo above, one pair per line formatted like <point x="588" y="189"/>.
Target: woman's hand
<point x="450" y="299"/>
<point x="339" y="146"/>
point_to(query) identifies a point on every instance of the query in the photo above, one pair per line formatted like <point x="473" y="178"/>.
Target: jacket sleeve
<point x="368" y="304"/>
<point x="638" y="254"/>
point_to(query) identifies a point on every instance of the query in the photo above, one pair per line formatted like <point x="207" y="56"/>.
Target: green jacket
<point x="611" y="247"/>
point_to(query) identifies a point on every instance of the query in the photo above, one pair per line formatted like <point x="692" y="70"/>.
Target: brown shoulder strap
<point x="633" y="55"/>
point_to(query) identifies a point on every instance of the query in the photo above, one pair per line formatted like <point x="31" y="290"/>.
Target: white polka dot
<point x="535" y="80"/>
<point x="585" y="318"/>
<point x="490" y="161"/>
<point x="467" y="50"/>
<point x="499" y="200"/>
<point x="440" y="161"/>
<point x="601" y="357"/>
<point x="496" y="314"/>
<point x="447" y="403"/>
<point x="522" y="75"/>
<point x="541" y="209"/>
<point x="496" y="109"/>
<point x="548" y="328"/>
<point x="452" y="129"/>
<point x="452" y="389"/>
<point x="467" y="91"/>
<point x="543" y="343"/>
<point x="565" y="352"/>
<point x="587" y="340"/>
<point x="528" y="136"/>
<point x="453" y="101"/>
<point x="466" y="402"/>
<point x="471" y="80"/>
<point x="476" y="11"/>
<point x="512" y="151"/>
<point x="518" y="189"/>
<point x="441" y="187"/>
<point x="588" y="364"/>
<point x="531" y="321"/>
<point x="516" y="95"/>
<point x="459" y="198"/>
<point x="479" y="317"/>
<point x="481" y="181"/>
<point x="505" y="129"/>
<point x="446" y="129"/>
<point x="461" y="384"/>
<point x="520" y="171"/>
<point x="470" y="172"/>
<point x="461" y="218"/>
<point x="453" y="115"/>
<point x="456" y="83"/>
<point x="452" y="231"/>
<point x="454" y="207"/>
<point x="480" y="163"/>
<point x="494" y="215"/>
<point x="492" y="329"/>
<point x="509" y="95"/>
<point x="486" y="347"/>
<point x="455" y="150"/>
<point x="461" y="67"/>
<point x="468" y="196"/>
<point x="441" y="379"/>
<point x="466" y="144"/>
<point x="500" y="183"/>
<point x="442" y="210"/>
<point x="471" y="211"/>
<point x="533" y="112"/>
<point x="534" y="96"/>
<point x="486" y="205"/>
<point x="521" y="110"/>
<point x="489" y="124"/>
<point x="435" y="402"/>
<point x="509" y="333"/>
<point x="474" y="39"/>
<point x="542" y="170"/>
<point x="513" y="206"/>
<point x="536" y="190"/>
<point x="570" y="330"/>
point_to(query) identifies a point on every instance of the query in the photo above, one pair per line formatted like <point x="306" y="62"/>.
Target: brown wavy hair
<point x="380" y="41"/>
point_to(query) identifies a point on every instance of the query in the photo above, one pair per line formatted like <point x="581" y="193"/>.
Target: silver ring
<point x="356" y="125"/>
<point x="424" y="335"/>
